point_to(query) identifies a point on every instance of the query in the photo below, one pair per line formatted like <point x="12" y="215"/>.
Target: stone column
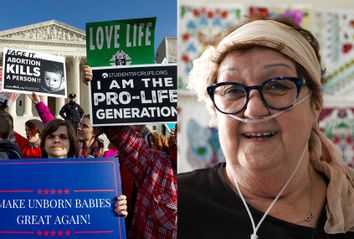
<point x="59" y="102"/>
<point x="75" y="77"/>
<point x="12" y="109"/>
<point x="28" y="107"/>
<point x="44" y="99"/>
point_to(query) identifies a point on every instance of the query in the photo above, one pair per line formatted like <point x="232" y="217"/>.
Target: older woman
<point x="282" y="177"/>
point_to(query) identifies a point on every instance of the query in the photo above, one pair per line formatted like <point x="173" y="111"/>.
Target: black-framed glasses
<point x="278" y="93"/>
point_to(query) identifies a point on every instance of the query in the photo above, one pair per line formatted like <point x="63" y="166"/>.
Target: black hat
<point x="72" y="95"/>
<point x="3" y="105"/>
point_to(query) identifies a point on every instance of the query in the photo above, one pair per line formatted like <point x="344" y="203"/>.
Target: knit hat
<point x="3" y="105"/>
<point x="36" y="123"/>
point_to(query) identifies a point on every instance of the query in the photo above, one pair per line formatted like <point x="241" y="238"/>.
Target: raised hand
<point x="34" y="98"/>
<point x="87" y="74"/>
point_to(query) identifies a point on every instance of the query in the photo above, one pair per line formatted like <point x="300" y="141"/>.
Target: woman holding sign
<point x="58" y="140"/>
<point x="89" y="145"/>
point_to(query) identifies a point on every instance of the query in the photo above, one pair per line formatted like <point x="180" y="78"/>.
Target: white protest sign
<point x="26" y="71"/>
<point x="134" y="95"/>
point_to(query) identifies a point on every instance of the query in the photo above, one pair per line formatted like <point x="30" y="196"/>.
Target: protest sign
<point x="120" y="42"/>
<point x="26" y="71"/>
<point x="170" y="126"/>
<point x="133" y="95"/>
<point x="10" y="98"/>
<point x="60" y="198"/>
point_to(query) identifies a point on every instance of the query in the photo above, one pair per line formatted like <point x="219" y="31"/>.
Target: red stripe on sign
<point x="16" y="191"/>
<point x="93" y="232"/>
<point x="92" y="190"/>
<point x="15" y="232"/>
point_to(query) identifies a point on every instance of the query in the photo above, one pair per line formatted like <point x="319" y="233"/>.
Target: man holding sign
<point x="134" y="94"/>
<point x="155" y="214"/>
<point x="118" y="99"/>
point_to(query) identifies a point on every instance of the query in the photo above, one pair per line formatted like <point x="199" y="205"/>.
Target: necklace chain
<point x="309" y="214"/>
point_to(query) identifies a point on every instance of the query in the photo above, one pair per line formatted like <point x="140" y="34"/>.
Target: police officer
<point x="72" y="112"/>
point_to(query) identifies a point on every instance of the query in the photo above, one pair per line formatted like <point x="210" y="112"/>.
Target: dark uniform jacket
<point x="72" y="112"/>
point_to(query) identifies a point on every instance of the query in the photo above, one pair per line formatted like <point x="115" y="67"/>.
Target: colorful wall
<point x="201" y="24"/>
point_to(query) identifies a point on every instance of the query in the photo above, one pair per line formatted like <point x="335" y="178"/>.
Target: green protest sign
<point x="120" y="42"/>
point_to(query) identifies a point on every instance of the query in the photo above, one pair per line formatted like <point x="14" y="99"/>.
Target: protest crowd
<point x="147" y="158"/>
<point x="140" y="152"/>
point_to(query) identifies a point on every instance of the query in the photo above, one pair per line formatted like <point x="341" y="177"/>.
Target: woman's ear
<point x="317" y="109"/>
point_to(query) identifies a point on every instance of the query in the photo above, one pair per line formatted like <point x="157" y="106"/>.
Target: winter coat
<point x="44" y="112"/>
<point x="28" y="150"/>
<point x="9" y="150"/>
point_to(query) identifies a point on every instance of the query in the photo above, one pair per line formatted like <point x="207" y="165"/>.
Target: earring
<point x="316" y="125"/>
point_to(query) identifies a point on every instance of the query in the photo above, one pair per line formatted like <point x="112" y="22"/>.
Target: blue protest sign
<point x="62" y="198"/>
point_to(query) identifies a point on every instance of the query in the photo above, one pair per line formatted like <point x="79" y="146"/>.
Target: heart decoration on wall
<point x="346" y="47"/>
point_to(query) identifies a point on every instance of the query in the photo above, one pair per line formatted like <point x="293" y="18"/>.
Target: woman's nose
<point x="255" y="107"/>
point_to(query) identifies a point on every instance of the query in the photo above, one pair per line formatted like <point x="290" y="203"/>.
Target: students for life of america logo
<point x="120" y="59"/>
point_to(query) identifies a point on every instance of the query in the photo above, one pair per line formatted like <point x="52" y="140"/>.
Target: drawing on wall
<point x="199" y="27"/>
<point x="335" y="32"/>
<point x="300" y="13"/>
<point x="338" y="125"/>
<point x="203" y="145"/>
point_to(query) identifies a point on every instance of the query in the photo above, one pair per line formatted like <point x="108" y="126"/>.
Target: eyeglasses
<point x="278" y="93"/>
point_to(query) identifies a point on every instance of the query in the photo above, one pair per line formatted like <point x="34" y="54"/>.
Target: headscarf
<point x="325" y="158"/>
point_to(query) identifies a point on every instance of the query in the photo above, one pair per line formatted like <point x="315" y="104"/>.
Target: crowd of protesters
<point x="147" y="160"/>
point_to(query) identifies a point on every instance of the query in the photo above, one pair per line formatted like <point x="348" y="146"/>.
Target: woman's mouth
<point x="259" y="135"/>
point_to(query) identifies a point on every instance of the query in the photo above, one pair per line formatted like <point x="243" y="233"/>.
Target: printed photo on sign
<point x="25" y="72"/>
<point x="120" y="42"/>
<point x="134" y="95"/>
